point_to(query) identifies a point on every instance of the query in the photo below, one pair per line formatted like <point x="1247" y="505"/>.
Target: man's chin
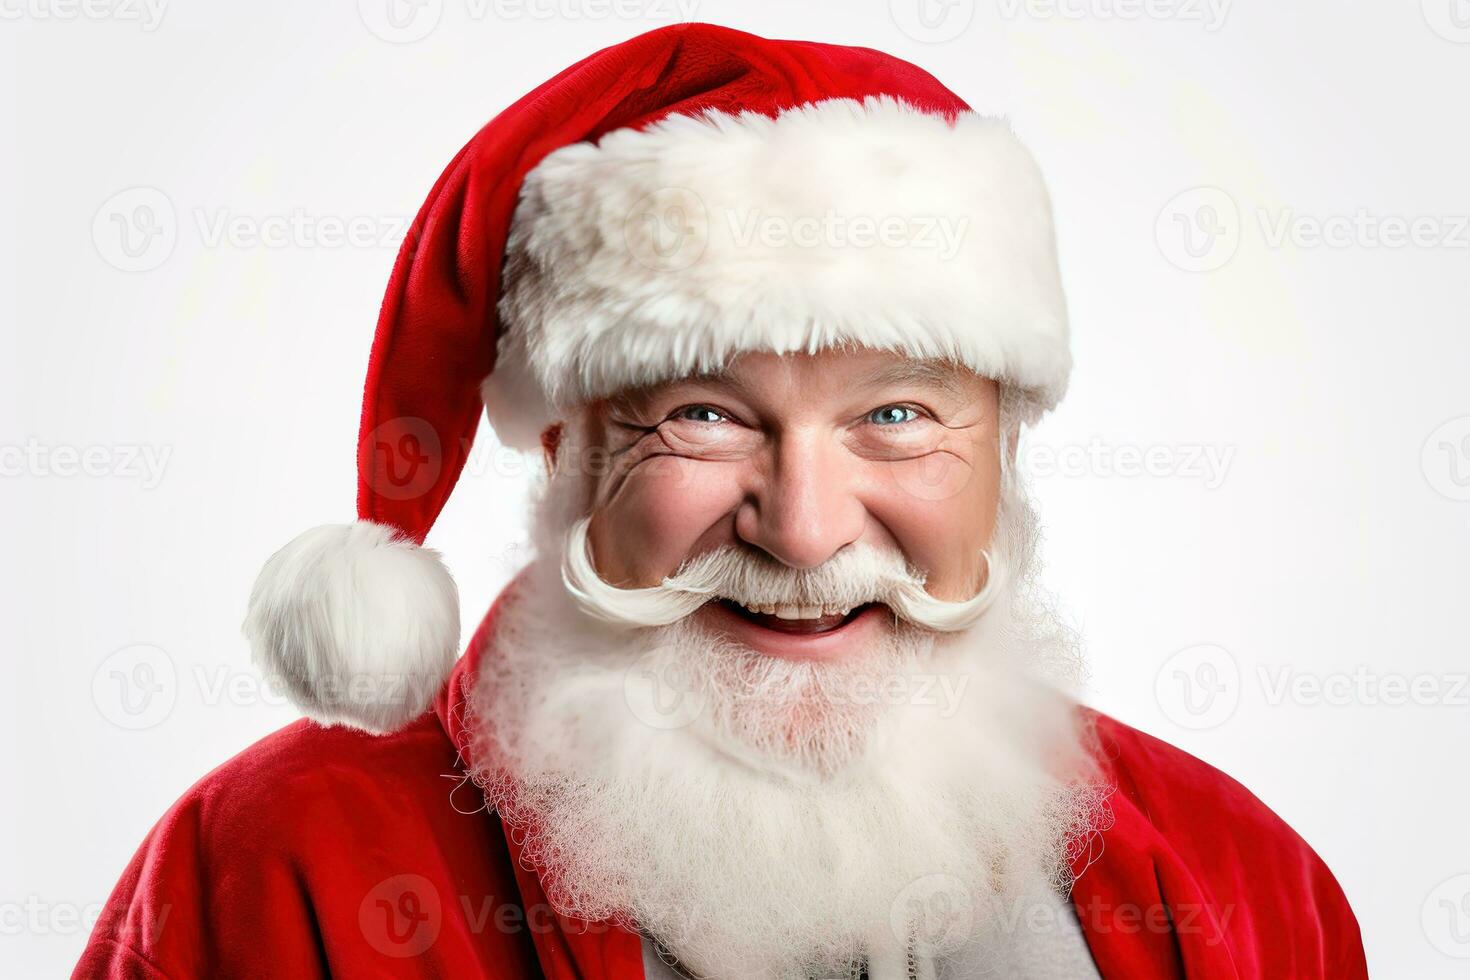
<point x="814" y="638"/>
<point x="803" y="703"/>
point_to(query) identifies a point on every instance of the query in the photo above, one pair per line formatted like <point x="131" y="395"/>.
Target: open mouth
<point x="802" y="620"/>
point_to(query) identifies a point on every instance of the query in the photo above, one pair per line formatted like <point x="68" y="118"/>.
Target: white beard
<point x="761" y="818"/>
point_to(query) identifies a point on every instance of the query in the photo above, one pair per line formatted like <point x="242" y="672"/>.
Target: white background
<point x="1330" y="548"/>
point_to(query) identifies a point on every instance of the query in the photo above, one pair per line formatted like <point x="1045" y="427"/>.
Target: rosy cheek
<point x="663" y="510"/>
<point x="939" y="510"/>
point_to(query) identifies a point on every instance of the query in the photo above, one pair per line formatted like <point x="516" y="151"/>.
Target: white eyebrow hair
<point x="932" y="373"/>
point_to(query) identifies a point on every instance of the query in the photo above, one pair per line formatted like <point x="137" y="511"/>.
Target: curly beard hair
<point x="766" y="818"/>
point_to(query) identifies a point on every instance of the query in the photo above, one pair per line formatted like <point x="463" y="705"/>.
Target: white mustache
<point x="855" y="576"/>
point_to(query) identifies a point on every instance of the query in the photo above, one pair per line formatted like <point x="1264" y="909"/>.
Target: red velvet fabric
<point x="327" y="852"/>
<point x="436" y="334"/>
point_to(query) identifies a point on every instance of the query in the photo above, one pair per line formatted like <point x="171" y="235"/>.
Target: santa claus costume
<point x="517" y="811"/>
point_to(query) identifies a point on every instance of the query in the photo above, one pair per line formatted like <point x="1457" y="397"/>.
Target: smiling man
<point x="777" y="695"/>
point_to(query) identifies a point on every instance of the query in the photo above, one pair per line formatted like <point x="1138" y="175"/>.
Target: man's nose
<point x="804" y="508"/>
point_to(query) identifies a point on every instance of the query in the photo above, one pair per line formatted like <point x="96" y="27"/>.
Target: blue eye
<point x="892" y="415"/>
<point x="700" y="413"/>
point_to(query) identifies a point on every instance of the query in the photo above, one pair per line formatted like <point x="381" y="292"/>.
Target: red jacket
<point x="328" y="852"/>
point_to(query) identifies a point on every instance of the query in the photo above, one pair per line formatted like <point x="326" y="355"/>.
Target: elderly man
<point x="777" y="695"/>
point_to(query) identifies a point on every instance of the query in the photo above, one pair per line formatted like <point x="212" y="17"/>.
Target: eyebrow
<point x="641" y="395"/>
<point x="936" y="374"/>
<point x="933" y="374"/>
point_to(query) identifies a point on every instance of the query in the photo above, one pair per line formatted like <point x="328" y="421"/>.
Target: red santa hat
<point x="649" y="212"/>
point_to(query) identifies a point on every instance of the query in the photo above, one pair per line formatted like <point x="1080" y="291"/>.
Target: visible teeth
<point x="787" y="610"/>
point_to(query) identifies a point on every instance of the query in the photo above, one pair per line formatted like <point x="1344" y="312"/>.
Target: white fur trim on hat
<point x="661" y="252"/>
<point x="358" y="624"/>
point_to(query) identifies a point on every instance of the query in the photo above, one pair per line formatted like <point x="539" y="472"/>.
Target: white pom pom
<point x="357" y="623"/>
